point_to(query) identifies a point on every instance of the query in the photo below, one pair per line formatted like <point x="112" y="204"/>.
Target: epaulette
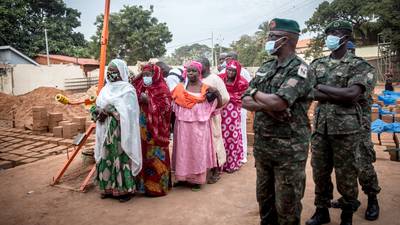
<point x="319" y="58"/>
<point x="361" y="61"/>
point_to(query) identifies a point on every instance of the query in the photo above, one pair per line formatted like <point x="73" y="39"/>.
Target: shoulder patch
<point x="370" y="76"/>
<point x="302" y="71"/>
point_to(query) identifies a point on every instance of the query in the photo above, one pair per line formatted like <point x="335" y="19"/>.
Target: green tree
<point x="358" y="12"/>
<point x="261" y="37"/>
<point x="388" y="14"/>
<point x="133" y="35"/>
<point x="246" y="47"/>
<point x="251" y="48"/>
<point x="188" y="52"/>
<point x="23" y="22"/>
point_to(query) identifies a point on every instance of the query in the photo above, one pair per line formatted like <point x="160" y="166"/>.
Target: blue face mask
<point x="332" y="42"/>
<point x="223" y="65"/>
<point x="147" y="81"/>
<point x="270" y="46"/>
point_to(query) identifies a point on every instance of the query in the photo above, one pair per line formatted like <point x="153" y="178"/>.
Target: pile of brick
<point x="68" y="129"/>
<point x="18" y="147"/>
<point x="388" y="118"/>
<point x="44" y="122"/>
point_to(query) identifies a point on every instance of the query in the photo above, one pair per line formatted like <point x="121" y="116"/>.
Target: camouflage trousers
<point x="366" y="175"/>
<point x="340" y="152"/>
<point x="280" y="166"/>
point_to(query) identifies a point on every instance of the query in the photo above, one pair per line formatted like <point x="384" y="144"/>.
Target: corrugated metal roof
<point x="74" y="60"/>
<point x="7" y="47"/>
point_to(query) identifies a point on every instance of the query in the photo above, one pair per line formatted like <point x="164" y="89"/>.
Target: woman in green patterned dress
<point x="118" y="150"/>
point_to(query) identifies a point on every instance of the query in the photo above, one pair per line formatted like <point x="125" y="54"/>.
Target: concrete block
<point x="66" y="142"/>
<point x="55" y="117"/>
<point x="28" y="160"/>
<point x="55" y="140"/>
<point x="58" y="131"/>
<point x="62" y="123"/>
<point x="69" y="130"/>
<point x="38" y="109"/>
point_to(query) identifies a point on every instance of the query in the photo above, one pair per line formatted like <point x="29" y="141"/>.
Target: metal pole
<point x="212" y="49"/>
<point x="47" y="46"/>
<point x="103" y="50"/>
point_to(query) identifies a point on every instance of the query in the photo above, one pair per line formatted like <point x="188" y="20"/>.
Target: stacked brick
<point x="40" y="123"/>
<point x="53" y="122"/>
<point x="69" y="129"/>
<point x="54" y="119"/>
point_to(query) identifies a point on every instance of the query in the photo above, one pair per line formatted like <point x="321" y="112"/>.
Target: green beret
<point x="339" y="25"/>
<point x="287" y="25"/>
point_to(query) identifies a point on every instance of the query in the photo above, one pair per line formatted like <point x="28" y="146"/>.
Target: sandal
<point x="124" y="198"/>
<point x="179" y="183"/>
<point x="105" y="195"/>
<point x="213" y="179"/>
<point x="196" y="187"/>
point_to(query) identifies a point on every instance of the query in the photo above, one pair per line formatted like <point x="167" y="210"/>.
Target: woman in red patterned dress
<point x="231" y="121"/>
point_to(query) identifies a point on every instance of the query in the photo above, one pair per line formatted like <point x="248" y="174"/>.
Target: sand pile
<point x="43" y="96"/>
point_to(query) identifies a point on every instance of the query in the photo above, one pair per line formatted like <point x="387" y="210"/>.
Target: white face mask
<point x="270" y="46"/>
<point x="147" y="81"/>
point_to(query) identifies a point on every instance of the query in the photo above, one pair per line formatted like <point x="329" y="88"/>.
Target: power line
<point x="189" y="43"/>
<point x="236" y="30"/>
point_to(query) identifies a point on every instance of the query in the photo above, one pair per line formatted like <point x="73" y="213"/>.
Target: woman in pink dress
<point x="231" y="121"/>
<point x="193" y="152"/>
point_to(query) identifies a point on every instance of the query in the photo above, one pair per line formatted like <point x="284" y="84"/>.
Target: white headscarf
<point x="122" y="95"/>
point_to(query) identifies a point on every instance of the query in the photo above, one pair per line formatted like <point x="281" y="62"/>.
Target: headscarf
<point x="184" y="98"/>
<point x="122" y="95"/>
<point x="159" y="108"/>
<point x="122" y="68"/>
<point x="196" y="65"/>
<point x="239" y="85"/>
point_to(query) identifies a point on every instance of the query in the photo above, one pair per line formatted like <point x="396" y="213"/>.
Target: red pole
<point x="103" y="51"/>
<point x="104" y="40"/>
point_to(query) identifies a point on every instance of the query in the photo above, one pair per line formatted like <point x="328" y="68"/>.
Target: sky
<point x="192" y="21"/>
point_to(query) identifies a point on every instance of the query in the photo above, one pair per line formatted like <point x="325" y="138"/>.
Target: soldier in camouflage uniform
<point x="341" y="80"/>
<point x="366" y="175"/>
<point x="278" y="96"/>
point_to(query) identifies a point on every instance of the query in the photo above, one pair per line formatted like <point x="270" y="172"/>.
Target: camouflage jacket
<point x="350" y="70"/>
<point x="291" y="82"/>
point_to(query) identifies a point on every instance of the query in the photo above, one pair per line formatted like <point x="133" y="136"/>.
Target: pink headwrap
<point x="196" y="65"/>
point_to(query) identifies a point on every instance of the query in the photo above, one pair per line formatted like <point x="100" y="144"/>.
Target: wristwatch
<point x="253" y="92"/>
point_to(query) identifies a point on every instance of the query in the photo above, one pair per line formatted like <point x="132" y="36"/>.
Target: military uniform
<point x="335" y="141"/>
<point x="281" y="147"/>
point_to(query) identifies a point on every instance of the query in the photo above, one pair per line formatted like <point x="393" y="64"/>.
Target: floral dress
<point x="113" y="172"/>
<point x="155" y="177"/>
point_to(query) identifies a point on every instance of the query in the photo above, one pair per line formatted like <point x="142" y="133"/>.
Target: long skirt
<point x="155" y="177"/>
<point x="114" y="174"/>
<point x="232" y="136"/>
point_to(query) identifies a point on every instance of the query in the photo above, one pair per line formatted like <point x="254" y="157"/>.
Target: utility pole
<point x="220" y="39"/>
<point x="212" y="49"/>
<point x="47" y="46"/>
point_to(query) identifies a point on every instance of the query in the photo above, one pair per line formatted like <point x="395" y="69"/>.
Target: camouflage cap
<point x="339" y="25"/>
<point x="287" y="25"/>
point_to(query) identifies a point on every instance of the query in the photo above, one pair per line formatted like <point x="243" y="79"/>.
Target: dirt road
<point x="27" y="199"/>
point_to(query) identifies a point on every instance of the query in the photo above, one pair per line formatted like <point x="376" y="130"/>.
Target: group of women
<point x="133" y="116"/>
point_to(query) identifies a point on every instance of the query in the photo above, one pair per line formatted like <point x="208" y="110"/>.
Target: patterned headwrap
<point x="195" y="64"/>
